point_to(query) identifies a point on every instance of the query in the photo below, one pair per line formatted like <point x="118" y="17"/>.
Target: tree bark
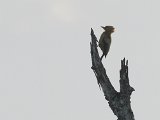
<point x="119" y="102"/>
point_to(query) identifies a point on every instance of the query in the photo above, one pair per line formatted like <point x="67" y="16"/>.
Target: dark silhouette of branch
<point x="119" y="102"/>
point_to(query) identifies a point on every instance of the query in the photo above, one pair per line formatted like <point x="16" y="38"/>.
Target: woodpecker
<point x="105" y="40"/>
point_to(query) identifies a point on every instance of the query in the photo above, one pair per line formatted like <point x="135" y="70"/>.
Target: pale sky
<point x="45" y="64"/>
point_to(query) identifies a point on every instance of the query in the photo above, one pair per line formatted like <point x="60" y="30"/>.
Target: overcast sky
<point x="45" y="64"/>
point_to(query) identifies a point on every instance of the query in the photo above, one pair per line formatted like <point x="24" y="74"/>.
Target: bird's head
<point x="109" y="29"/>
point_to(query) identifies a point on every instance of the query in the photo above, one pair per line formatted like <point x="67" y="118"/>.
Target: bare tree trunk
<point x="119" y="102"/>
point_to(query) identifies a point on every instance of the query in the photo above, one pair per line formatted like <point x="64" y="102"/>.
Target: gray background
<point x="45" y="57"/>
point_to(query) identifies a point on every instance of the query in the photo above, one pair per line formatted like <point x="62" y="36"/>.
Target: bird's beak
<point x="113" y="29"/>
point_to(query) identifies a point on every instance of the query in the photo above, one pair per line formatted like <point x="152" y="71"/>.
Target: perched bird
<point x="105" y="40"/>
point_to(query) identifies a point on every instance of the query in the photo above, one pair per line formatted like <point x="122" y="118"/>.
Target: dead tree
<point x="119" y="102"/>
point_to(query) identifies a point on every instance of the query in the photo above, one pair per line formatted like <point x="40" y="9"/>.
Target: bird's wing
<point x="101" y="39"/>
<point x="107" y="40"/>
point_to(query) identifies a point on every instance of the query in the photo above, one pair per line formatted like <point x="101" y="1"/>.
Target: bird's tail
<point x="102" y="56"/>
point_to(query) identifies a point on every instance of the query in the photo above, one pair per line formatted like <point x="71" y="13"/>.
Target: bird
<point x="105" y="40"/>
